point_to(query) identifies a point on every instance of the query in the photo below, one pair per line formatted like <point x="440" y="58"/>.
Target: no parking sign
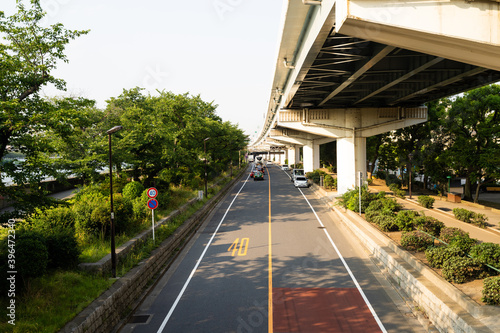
<point x="152" y="204"/>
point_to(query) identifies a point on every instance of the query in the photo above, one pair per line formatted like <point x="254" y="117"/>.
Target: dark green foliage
<point x="491" y="290"/>
<point x="448" y="233"/>
<point x="470" y="217"/>
<point x="58" y="217"/>
<point x="123" y="210"/>
<point x="416" y="240"/>
<point x="84" y="206"/>
<point x="405" y="219"/>
<point x="429" y="224"/>
<point x="392" y="180"/>
<point x="132" y="190"/>
<point x="315" y="175"/>
<point x="330" y="182"/>
<point x="62" y="248"/>
<point x="436" y="256"/>
<point x="461" y="269"/>
<point x="32" y="256"/>
<point x="425" y="201"/>
<point x="463" y="242"/>
<point x="380" y="174"/>
<point x="386" y="222"/>
<point x="396" y="189"/>
<point x="384" y="204"/>
<point x="350" y="199"/>
<point x="487" y="253"/>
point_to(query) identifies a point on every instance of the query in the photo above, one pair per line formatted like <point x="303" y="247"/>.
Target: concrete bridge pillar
<point x="311" y="156"/>
<point x="351" y="159"/>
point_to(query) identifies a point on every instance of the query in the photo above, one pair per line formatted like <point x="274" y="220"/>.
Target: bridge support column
<point x="294" y="155"/>
<point x="351" y="159"/>
<point x="311" y="157"/>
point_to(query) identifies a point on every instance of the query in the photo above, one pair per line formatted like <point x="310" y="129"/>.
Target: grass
<point x="48" y="301"/>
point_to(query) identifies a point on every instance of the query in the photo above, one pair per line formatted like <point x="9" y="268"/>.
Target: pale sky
<point x="224" y="50"/>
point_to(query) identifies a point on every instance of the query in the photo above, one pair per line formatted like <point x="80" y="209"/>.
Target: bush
<point x="315" y="176"/>
<point x="463" y="242"/>
<point x="31" y="254"/>
<point x="380" y="174"/>
<point x="396" y="189"/>
<point x="83" y="209"/>
<point x="461" y="269"/>
<point x="416" y="240"/>
<point x="487" y="253"/>
<point x="429" y="224"/>
<point x="426" y="201"/>
<point x="491" y="290"/>
<point x="470" y="217"/>
<point x="58" y="217"/>
<point x="123" y="211"/>
<point x="436" y="256"/>
<point x="405" y="219"/>
<point x="350" y="199"/>
<point x="448" y="233"/>
<point x="329" y="181"/>
<point x="392" y="179"/>
<point x="383" y="204"/>
<point x="132" y="190"/>
<point x="62" y="248"/>
<point x="386" y="222"/>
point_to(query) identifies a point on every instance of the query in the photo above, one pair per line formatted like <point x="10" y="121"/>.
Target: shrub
<point x="426" y="201"/>
<point x="315" y="175"/>
<point x="405" y="219"/>
<point x="123" y="211"/>
<point x="436" y="256"/>
<point x="329" y="181"/>
<point x="491" y="290"/>
<point x="429" y="224"/>
<point x="58" y="217"/>
<point x="487" y="253"/>
<point x="396" y="189"/>
<point x="384" y="204"/>
<point x="83" y="208"/>
<point x="448" y="233"/>
<point x="132" y="190"/>
<point x="461" y="269"/>
<point x="463" y="242"/>
<point x="386" y="222"/>
<point x="470" y="217"/>
<point x="350" y="199"/>
<point x="62" y="248"/>
<point x="31" y="254"/>
<point x="416" y="240"/>
<point x="392" y="179"/>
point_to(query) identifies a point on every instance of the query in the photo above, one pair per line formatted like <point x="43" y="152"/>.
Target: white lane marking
<point x="377" y="319"/>
<point x="169" y="314"/>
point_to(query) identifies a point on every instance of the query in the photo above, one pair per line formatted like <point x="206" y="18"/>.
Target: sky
<point x="223" y="50"/>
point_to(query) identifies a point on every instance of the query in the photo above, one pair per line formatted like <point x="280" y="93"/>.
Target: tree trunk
<point x="467" y="189"/>
<point x="476" y="197"/>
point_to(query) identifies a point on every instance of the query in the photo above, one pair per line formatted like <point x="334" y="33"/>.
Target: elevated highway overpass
<point x="350" y="69"/>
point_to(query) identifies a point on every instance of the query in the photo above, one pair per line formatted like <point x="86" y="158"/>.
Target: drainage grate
<point x="139" y="319"/>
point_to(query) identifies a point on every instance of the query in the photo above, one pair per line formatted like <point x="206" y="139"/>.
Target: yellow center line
<point x="270" y="301"/>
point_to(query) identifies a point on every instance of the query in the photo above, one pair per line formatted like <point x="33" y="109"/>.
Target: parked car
<point x="301" y="181"/>
<point x="297" y="172"/>
<point x="258" y="175"/>
<point x="285" y="167"/>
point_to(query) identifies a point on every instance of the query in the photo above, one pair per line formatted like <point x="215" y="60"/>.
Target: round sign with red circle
<point x="152" y="192"/>
<point x="152" y="204"/>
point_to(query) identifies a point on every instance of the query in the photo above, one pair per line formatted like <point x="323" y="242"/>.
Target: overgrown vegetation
<point x="470" y="217"/>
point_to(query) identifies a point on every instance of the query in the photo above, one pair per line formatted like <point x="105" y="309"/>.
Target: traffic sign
<point x="152" y="192"/>
<point x="152" y="204"/>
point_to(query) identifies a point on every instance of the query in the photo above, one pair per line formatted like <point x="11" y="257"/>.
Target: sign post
<point x="152" y="204"/>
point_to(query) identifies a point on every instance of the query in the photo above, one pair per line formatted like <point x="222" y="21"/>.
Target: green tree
<point x="474" y="126"/>
<point x="28" y="55"/>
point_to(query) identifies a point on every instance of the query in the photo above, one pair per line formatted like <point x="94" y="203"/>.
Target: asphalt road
<point x="272" y="258"/>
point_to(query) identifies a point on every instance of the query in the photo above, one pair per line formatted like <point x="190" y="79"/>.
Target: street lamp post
<point x="410" y="156"/>
<point x="112" y="218"/>
<point x="205" y="151"/>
